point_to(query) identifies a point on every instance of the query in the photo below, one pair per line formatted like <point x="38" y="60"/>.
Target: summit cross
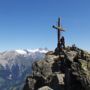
<point x="59" y="29"/>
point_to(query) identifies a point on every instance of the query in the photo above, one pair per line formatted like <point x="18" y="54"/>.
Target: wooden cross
<point x="59" y="28"/>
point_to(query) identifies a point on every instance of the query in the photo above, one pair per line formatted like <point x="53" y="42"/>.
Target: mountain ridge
<point x="22" y="52"/>
<point x="15" y="66"/>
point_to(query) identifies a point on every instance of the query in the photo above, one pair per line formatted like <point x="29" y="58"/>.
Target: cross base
<point x="59" y="48"/>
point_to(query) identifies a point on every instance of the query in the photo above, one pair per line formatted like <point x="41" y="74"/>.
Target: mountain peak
<point x="25" y="51"/>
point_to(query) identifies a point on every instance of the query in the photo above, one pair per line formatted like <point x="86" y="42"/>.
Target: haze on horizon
<point x="28" y="23"/>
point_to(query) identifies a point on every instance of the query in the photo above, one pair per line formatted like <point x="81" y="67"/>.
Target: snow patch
<point x="21" y="51"/>
<point x="37" y="50"/>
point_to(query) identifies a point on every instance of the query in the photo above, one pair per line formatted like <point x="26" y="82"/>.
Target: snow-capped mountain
<point x="9" y="57"/>
<point x="28" y="51"/>
<point x="15" y="65"/>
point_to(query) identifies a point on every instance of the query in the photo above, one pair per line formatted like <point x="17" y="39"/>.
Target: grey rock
<point x="60" y="78"/>
<point x="71" y="55"/>
<point x="30" y="83"/>
<point x="45" y="88"/>
<point x="42" y="68"/>
<point x="69" y="71"/>
<point x="82" y="73"/>
<point x="51" y="58"/>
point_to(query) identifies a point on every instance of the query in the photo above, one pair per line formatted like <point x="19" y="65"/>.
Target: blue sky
<point x="28" y="23"/>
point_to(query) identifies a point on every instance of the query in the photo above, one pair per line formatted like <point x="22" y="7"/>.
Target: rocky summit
<point x="67" y="68"/>
<point x="68" y="71"/>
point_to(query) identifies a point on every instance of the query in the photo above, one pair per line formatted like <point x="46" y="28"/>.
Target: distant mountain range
<point x="16" y="65"/>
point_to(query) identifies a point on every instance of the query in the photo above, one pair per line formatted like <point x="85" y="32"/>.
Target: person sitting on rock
<point x="62" y="42"/>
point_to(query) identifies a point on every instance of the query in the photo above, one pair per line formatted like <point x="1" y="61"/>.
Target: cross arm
<point x="59" y="28"/>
